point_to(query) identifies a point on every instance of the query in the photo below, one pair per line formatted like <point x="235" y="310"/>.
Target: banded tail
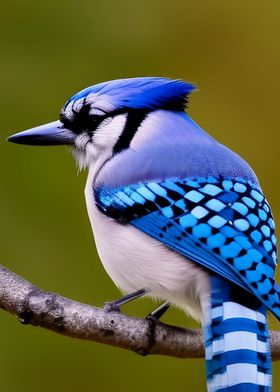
<point x="236" y="341"/>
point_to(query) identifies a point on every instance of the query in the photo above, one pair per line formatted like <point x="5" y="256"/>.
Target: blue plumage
<point x="154" y="168"/>
<point x="236" y="341"/>
<point x="209" y="221"/>
<point x="225" y="225"/>
<point x="135" y="93"/>
<point x="173" y="146"/>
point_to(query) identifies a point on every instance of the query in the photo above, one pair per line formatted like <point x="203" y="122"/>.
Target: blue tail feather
<point x="236" y="341"/>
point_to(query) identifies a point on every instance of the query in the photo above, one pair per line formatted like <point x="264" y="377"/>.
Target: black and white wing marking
<point x="222" y="224"/>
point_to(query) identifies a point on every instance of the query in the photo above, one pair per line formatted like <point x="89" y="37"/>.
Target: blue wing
<point x="225" y="225"/>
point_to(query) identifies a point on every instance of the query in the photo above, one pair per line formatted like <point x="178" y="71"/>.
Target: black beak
<point x="50" y="134"/>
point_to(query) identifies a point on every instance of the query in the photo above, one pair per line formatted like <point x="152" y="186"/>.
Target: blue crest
<point x="139" y="93"/>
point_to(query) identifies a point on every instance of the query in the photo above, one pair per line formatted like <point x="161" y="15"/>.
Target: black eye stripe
<point x="81" y="122"/>
<point x="133" y="121"/>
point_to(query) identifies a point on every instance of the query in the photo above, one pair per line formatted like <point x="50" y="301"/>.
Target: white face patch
<point x="83" y="150"/>
<point x="82" y="140"/>
<point x="87" y="149"/>
<point x="109" y="131"/>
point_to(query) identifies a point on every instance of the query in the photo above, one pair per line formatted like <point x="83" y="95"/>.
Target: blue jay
<point x="176" y="215"/>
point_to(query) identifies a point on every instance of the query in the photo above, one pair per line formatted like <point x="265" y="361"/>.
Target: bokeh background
<point x="51" y="49"/>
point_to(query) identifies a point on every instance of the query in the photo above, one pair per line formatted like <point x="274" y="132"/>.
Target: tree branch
<point x="48" y="310"/>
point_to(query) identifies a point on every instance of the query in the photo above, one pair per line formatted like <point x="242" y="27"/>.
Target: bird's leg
<point x="156" y="314"/>
<point x="114" y="306"/>
<point x="153" y="320"/>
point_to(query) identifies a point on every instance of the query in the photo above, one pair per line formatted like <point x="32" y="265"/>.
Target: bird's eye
<point x="80" y="121"/>
<point x="95" y="120"/>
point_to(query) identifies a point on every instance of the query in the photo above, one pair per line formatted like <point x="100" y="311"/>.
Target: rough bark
<point x="56" y="313"/>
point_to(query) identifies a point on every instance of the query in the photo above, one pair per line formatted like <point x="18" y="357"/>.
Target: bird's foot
<point x="114" y="306"/>
<point x="156" y="314"/>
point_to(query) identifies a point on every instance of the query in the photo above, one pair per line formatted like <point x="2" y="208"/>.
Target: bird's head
<point x="106" y="116"/>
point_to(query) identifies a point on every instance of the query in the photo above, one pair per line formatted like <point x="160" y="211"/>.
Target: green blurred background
<point x="49" y="50"/>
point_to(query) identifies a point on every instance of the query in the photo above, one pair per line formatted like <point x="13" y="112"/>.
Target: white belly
<point x="135" y="260"/>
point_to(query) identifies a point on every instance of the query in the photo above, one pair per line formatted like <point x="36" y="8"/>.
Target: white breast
<point x="135" y="260"/>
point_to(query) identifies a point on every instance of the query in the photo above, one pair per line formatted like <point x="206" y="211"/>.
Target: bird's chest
<point x="135" y="260"/>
